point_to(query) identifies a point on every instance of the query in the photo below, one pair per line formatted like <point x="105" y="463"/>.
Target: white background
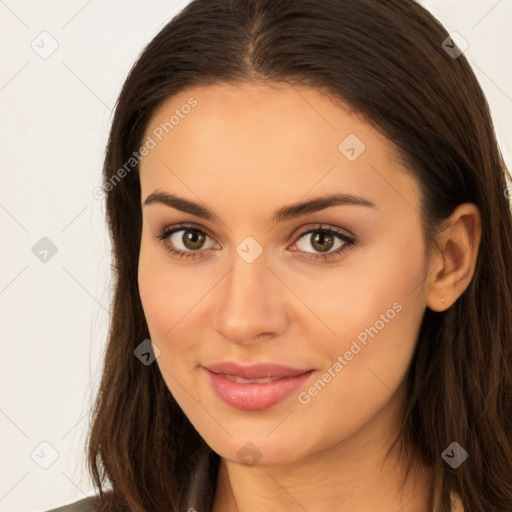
<point x="55" y="117"/>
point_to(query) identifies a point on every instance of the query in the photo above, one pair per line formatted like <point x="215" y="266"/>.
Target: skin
<point x="244" y="151"/>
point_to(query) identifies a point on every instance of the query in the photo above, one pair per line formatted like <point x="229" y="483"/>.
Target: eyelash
<point x="165" y="233"/>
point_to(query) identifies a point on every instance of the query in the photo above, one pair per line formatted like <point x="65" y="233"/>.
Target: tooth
<point x="242" y="380"/>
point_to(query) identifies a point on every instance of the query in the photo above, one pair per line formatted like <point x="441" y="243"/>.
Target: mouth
<point x="254" y="387"/>
<point x="255" y="371"/>
<point x="241" y="380"/>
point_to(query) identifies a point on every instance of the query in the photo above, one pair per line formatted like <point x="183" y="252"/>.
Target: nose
<point x="251" y="303"/>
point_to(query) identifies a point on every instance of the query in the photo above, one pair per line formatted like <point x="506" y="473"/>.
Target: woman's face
<point x="258" y="281"/>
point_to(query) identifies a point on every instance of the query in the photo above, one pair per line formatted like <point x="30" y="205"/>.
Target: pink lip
<point x="283" y="380"/>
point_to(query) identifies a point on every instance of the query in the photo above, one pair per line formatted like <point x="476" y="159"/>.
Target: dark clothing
<point x="83" y="505"/>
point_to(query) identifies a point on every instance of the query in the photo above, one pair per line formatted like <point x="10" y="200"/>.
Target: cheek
<point x="166" y="291"/>
<point x="365" y="365"/>
<point x="170" y="294"/>
<point x="374" y="312"/>
<point x="153" y="297"/>
<point x="364" y="293"/>
<point x="162" y="307"/>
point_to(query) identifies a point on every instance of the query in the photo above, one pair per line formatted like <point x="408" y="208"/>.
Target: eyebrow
<point x="280" y="215"/>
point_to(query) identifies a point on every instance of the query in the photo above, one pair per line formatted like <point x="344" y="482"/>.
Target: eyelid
<point x="318" y="226"/>
<point x="349" y="240"/>
<point x="312" y="227"/>
<point x="168" y="230"/>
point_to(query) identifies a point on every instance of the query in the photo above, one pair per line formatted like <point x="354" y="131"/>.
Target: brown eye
<point x="193" y="239"/>
<point x="187" y="241"/>
<point x="322" y="241"/>
<point x="191" y="242"/>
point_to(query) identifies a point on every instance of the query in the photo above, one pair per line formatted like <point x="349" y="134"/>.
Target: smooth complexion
<point x="245" y="152"/>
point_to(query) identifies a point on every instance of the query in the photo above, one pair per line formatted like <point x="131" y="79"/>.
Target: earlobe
<point x="459" y="244"/>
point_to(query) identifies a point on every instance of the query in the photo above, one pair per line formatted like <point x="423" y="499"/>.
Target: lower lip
<point x="257" y="396"/>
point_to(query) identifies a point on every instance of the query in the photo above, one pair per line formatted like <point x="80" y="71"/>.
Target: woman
<point x="313" y="265"/>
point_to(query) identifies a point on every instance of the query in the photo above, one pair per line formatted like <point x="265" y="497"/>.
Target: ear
<point x="453" y="268"/>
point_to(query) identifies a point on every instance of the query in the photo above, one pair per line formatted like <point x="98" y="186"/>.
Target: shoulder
<point x="83" y="505"/>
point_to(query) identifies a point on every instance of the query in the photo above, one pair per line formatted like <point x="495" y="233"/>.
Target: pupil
<point x="320" y="238"/>
<point x="194" y="238"/>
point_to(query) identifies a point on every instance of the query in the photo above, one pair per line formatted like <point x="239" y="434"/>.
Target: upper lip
<point x="255" y="371"/>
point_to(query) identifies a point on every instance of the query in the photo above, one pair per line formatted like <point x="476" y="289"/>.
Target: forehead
<point x="255" y="137"/>
<point x="259" y="109"/>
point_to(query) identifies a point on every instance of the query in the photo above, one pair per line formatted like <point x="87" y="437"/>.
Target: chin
<point x="259" y="450"/>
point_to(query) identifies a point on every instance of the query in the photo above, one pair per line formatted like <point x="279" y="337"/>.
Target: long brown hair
<point x="389" y="60"/>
